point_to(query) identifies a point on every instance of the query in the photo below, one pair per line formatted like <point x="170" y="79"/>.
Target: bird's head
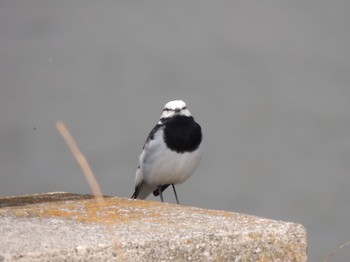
<point x="176" y="107"/>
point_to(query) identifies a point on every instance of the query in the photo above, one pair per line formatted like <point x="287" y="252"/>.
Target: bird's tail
<point x="163" y="187"/>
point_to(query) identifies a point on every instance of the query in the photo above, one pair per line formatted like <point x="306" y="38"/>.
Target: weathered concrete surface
<point x="71" y="227"/>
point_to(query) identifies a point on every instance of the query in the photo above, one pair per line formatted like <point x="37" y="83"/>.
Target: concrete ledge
<point x="62" y="226"/>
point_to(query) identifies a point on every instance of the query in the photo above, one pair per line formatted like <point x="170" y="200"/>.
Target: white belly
<point x="163" y="166"/>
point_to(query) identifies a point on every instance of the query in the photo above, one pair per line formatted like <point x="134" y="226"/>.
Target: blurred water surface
<point x="267" y="80"/>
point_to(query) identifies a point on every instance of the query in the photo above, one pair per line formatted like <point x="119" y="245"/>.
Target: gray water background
<point x="267" y="80"/>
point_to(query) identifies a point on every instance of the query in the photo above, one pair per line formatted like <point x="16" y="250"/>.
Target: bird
<point x="171" y="153"/>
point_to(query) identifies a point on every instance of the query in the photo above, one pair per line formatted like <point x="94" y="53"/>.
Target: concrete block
<point x="70" y="227"/>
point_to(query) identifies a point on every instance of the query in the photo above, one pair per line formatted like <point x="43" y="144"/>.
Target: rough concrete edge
<point x="106" y="251"/>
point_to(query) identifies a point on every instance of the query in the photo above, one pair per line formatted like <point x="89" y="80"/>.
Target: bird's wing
<point x="151" y="134"/>
<point x="142" y="190"/>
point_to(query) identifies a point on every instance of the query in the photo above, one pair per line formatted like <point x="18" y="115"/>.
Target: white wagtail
<point x="171" y="152"/>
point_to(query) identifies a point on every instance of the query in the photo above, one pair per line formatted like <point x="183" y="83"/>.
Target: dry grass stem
<point x="336" y="250"/>
<point x="90" y="178"/>
<point x="81" y="161"/>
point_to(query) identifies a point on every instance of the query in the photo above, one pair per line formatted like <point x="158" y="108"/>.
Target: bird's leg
<point x="177" y="200"/>
<point x="160" y="193"/>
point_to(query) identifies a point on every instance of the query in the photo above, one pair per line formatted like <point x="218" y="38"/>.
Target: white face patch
<point x="176" y="107"/>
